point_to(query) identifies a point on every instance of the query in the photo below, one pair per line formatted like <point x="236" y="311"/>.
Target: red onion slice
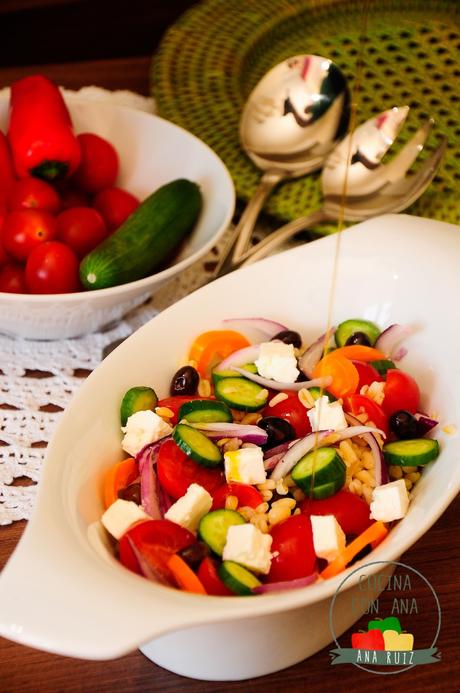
<point x="390" y="338"/>
<point x="149" y="488"/>
<point x="241" y="357"/>
<point x="285" y="585"/>
<point x="274" y="385"/>
<point x="313" y="354"/>
<point x="279" y="449"/>
<point x="266" y="328"/>
<point x="271" y="462"/>
<point x="380" y="468"/>
<point x="296" y="452"/>
<point x="247" y="433"/>
<point x="425" y="423"/>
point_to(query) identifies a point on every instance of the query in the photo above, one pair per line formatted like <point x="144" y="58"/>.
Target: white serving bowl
<point x="64" y="592"/>
<point x="152" y="152"/>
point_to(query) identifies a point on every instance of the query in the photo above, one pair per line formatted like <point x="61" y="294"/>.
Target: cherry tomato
<point x="3" y="214"/>
<point x="360" y="404"/>
<point x="52" y="268"/>
<point x="291" y="409"/>
<point x="367" y="374"/>
<point x="98" y="168"/>
<point x="293" y="547"/>
<point x="72" y="197"/>
<point x="115" y="205"/>
<point x="81" y="228"/>
<point x="176" y="471"/>
<point x="155" y="541"/>
<point x="344" y="375"/>
<point x="12" y="279"/>
<point x="246" y="494"/>
<point x="174" y="403"/>
<point x="207" y="573"/>
<point x="401" y="392"/>
<point x="210" y="348"/>
<point x="25" y="230"/>
<point x="350" y="511"/>
<point x="33" y="193"/>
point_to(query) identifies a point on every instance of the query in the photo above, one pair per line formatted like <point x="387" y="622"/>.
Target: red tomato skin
<point x="293" y="540"/>
<point x="12" y="279"/>
<point x="72" y="197"/>
<point x="367" y="374"/>
<point x="350" y="511"/>
<point x="115" y="205"/>
<point x="247" y="495"/>
<point x="33" y="193"/>
<point x="52" y="268"/>
<point x="176" y="471"/>
<point x="26" y="229"/>
<point x="358" y="404"/>
<point x="401" y="392"/>
<point x="292" y="410"/>
<point x="175" y="403"/>
<point x="98" y="167"/>
<point x="207" y="573"/>
<point x="81" y="228"/>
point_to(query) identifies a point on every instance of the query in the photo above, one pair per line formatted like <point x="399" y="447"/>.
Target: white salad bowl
<point x="63" y="590"/>
<point x="152" y="152"/>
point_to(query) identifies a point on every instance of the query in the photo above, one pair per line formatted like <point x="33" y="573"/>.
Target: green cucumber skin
<point x="146" y="239"/>
<point x="348" y="327"/>
<point x="403" y="453"/>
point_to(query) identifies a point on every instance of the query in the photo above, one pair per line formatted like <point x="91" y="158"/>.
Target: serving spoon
<point x="293" y="118"/>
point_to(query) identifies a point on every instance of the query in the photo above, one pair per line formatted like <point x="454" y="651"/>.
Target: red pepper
<point x="372" y="640"/>
<point x="7" y="176"/>
<point x="40" y="131"/>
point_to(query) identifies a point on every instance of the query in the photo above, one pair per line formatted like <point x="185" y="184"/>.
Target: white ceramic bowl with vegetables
<point x="83" y="603"/>
<point x="152" y="153"/>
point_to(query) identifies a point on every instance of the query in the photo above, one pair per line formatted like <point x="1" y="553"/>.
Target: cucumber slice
<point x="205" y="411"/>
<point x="214" y="526"/>
<point x="316" y="394"/>
<point x="382" y="366"/>
<point x="349" y="327"/>
<point x="197" y="446"/>
<point x="241" y="394"/>
<point x="229" y="373"/>
<point x="137" y="399"/>
<point x="321" y="473"/>
<point x="237" y="578"/>
<point x="411" y="453"/>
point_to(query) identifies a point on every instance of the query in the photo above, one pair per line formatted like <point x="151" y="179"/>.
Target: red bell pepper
<point x="372" y="640"/>
<point x="40" y="131"/>
<point x="7" y="176"/>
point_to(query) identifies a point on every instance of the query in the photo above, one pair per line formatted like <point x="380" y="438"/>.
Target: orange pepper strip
<point x="345" y="376"/>
<point x="359" y="352"/>
<point x="117" y="477"/>
<point x="184" y="575"/>
<point x="374" y="534"/>
<point x="210" y="348"/>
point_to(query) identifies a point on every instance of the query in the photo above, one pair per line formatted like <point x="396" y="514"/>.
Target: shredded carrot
<point x="374" y="534"/>
<point x="117" y="477"/>
<point x="360" y="352"/>
<point x="184" y="575"/>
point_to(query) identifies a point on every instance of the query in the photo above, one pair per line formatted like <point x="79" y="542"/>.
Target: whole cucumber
<point x="146" y="239"/>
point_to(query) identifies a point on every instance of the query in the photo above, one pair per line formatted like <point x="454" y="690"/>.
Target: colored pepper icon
<point x="389" y="623"/>
<point x="372" y="640"/>
<point x="400" y="642"/>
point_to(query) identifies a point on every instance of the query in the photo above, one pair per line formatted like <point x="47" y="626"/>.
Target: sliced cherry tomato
<point x="350" y="511"/>
<point x="360" y="404"/>
<point x="13" y="279"/>
<point x="26" y="229"/>
<point x="52" y="268"/>
<point x="174" y="403"/>
<point x="367" y="374"/>
<point x="345" y="377"/>
<point x="292" y="410"/>
<point x="98" y="168"/>
<point x="207" y="573"/>
<point x="115" y="205"/>
<point x="33" y="193"/>
<point x="210" y="348"/>
<point x="247" y="495"/>
<point x="176" y="471"/>
<point x="81" y="228"/>
<point x="360" y="352"/>
<point x="401" y="392"/>
<point x="156" y="541"/>
<point x="293" y="547"/>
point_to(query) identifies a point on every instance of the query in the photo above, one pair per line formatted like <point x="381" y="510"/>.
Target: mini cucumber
<point x="137" y="399"/>
<point x="214" y="526"/>
<point x="320" y="473"/>
<point x="241" y="394"/>
<point x="197" y="446"/>
<point x="229" y="373"/>
<point x="316" y="394"/>
<point x="146" y="239"/>
<point x="411" y="453"/>
<point x="205" y="411"/>
<point x="382" y="366"/>
<point x="237" y="578"/>
<point x="349" y="327"/>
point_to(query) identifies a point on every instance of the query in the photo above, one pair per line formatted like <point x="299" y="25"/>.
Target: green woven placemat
<point x="209" y="61"/>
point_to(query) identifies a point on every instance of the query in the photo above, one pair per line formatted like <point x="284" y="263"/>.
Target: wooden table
<point x="436" y="555"/>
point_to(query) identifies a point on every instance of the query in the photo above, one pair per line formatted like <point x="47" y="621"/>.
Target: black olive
<point x="358" y="338"/>
<point x="279" y="431"/>
<point x="131" y="493"/>
<point x="185" y="381"/>
<point x="404" y="425"/>
<point x="289" y="337"/>
<point x="194" y="554"/>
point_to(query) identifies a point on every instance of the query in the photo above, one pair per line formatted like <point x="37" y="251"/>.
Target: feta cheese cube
<point x="328" y="536"/>
<point x="389" y="501"/>
<point x="277" y="361"/>
<point x="327" y="415"/>
<point x="119" y="517"/>
<point x="245" y="465"/>
<point x="190" y="508"/>
<point x="248" y="546"/>
<point x="142" y="428"/>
